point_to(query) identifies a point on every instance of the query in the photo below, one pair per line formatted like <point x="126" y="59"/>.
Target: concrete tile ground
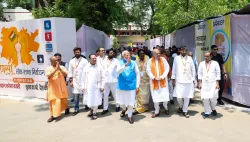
<point x="23" y="121"/>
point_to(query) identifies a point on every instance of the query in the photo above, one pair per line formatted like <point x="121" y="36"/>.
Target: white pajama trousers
<point x="107" y="88"/>
<point x="157" y="107"/>
<point x="130" y="110"/>
<point x="183" y="103"/>
<point x="209" y="105"/>
<point x="171" y="89"/>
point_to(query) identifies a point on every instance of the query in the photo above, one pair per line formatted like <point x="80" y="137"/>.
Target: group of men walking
<point x="132" y="83"/>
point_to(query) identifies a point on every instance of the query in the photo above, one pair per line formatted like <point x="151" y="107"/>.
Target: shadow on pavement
<point x="219" y="115"/>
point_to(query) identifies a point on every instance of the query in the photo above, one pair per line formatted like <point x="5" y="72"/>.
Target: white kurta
<point x="92" y="81"/>
<point x="124" y="97"/>
<point x="209" y="74"/>
<point x="110" y="68"/>
<point x="184" y="74"/>
<point x="76" y="67"/>
<point x="162" y="94"/>
<point x="100" y="61"/>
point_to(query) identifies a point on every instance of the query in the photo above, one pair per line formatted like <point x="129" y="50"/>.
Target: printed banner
<point x="221" y="36"/>
<point x="25" y="49"/>
<point x="201" y="40"/>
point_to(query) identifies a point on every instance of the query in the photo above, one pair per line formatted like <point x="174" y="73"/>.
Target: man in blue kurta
<point x="128" y="84"/>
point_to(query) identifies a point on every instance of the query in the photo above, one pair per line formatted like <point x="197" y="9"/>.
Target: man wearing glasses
<point x="218" y="57"/>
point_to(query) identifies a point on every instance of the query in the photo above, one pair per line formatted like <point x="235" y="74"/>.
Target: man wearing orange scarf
<point x="157" y="69"/>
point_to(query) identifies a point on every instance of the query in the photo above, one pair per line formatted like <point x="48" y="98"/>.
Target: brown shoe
<point x="130" y="120"/>
<point x="123" y="113"/>
<point x="186" y="114"/>
<point x="51" y="119"/>
<point x="94" y="117"/>
<point x="155" y="115"/>
<point x="90" y="113"/>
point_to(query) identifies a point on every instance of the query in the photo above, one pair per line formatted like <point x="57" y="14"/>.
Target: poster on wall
<point x="25" y="49"/>
<point x="201" y="40"/>
<point x="220" y="35"/>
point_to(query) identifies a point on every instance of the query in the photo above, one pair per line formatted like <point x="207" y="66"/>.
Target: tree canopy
<point x="158" y="16"/>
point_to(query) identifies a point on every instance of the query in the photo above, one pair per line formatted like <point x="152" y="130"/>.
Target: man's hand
<point x="157" y="78"/>
<point x="173" y="82"/>
<point x="137" y="90"/>
<point x="225" y="76"/>
<point x="217" y="85"/>
<point x="128" y="62"/>
<point x="199" y="85"/>
<point x="83" y="90"/>
<point x="57" y="66"/>
<point x="101" y="89"/>
<point x="71" y="84"/>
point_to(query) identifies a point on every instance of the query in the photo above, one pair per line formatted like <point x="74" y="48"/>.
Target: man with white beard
<point x="157" y="70"/>
<point x="110" y="68"/>
<point x="209" y="75"/>
<point x="183" y="76"/>
<point x="128" y="84"/>
<point x="92" y="85"/>
<point x="76" y="66"/>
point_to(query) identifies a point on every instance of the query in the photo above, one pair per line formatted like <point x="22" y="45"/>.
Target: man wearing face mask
<point x="92" y="84"/>
<point x="209" y="77"/>
<point x="183" y="76"/>
<point x="128" y="84"/>
<point x="76" y="66"/>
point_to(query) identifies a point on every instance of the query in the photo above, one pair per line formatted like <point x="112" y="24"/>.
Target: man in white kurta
<point x="183" y="76"/>
<point x="76" y="66"/>
<point x="209" y="76"/>
<point x="100" y="62"/>
<point x="157" y="69"/>
<point x="128" y="84"/>
<point x="110" y="68"/>
<point x="93" y="81"/>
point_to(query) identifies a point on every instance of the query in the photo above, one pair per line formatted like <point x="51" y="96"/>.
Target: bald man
<point x="57" y="94"/>
<point x="157" y="70"/>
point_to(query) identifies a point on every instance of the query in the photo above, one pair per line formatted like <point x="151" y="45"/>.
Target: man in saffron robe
<point x="157" y="69"/>
<point x="57" y="94"/>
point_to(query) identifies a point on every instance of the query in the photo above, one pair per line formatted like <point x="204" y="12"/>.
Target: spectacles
<point x="215" y="49"/>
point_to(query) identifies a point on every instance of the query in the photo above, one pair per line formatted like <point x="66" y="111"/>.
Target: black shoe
<point x="75" y="113"/>
<point x="67" y="111"/>
<point x="51" y="119"/>
<point x="180" y="110"/>
<point x="220" y="102"/>
<point x="117" y="109"/>
<point x="123" y="113"/>
<point x="100" y="107"/>
<point x="167" y="112"/>
<point x="135" y="112"/>
<point x="86" y="107"/>
<point x="186" y="114"/>
<point x="205" y="116"/>
<point x="72" y="100"/>
<point x="172" y="102"/>
<point x="104" y="112"/>
<point x="214" y="113"/>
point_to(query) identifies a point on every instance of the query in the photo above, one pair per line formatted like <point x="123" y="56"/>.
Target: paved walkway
<point x="26" y="122"/>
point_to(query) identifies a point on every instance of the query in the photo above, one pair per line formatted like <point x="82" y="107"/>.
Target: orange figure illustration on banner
<point x="17" y="45"/>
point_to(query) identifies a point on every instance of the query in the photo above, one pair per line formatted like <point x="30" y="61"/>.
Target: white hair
<point x="124" y="52"/>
